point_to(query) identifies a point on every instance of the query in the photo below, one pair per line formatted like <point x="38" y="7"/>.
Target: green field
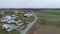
<point x="12" y="32"/>
<point x="52" y="17"/>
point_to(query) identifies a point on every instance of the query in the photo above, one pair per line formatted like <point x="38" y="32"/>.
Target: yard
<point x="3" y="31"/>
<point x="15" y="32"/>
<point x="12" y="32"/>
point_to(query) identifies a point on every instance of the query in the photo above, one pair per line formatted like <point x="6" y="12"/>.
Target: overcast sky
<point x="29" y="3"/>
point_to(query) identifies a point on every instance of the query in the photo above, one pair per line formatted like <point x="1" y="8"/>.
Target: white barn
<point x="7" y="27"/>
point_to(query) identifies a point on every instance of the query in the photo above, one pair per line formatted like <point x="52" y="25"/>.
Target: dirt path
<point x="45" y="30"/>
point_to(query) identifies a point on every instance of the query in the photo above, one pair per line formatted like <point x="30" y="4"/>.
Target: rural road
<point x="29" y="25"/>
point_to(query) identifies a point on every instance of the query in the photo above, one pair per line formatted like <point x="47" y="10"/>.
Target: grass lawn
<point x="3" y="32"/>
<point x="15" y="32"/>
<point x="52" y="17"/>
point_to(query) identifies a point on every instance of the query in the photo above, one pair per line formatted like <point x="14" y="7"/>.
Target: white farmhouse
<point x="7" y="27"/>
<point x="8" y="18"/>
<point x="28" y="14"/>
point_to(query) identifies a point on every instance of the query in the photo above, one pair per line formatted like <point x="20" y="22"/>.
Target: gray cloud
<point x="29" y="3"/>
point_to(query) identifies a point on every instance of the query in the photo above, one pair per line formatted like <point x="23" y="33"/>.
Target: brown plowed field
<point x="44" y="30"/>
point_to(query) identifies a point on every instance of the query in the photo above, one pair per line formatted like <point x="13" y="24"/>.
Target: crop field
<point x="52" y="17"/>
<point x="51" y="24"/>
<point x="38" y="29"/>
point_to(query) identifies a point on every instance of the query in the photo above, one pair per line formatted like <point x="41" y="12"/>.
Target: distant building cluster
<point x="11" y="19"/>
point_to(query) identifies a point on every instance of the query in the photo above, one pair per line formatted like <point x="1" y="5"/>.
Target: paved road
<point x="29" y="25"/>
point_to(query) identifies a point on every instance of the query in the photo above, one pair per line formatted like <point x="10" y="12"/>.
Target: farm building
<point x="8" y="18"/>
<point x="28" y="14"/>
<point x="7" y="27"/>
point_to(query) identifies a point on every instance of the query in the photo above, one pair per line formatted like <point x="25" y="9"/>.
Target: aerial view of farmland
<point x="48" y="22"/>
<point x="29" y="16"/>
